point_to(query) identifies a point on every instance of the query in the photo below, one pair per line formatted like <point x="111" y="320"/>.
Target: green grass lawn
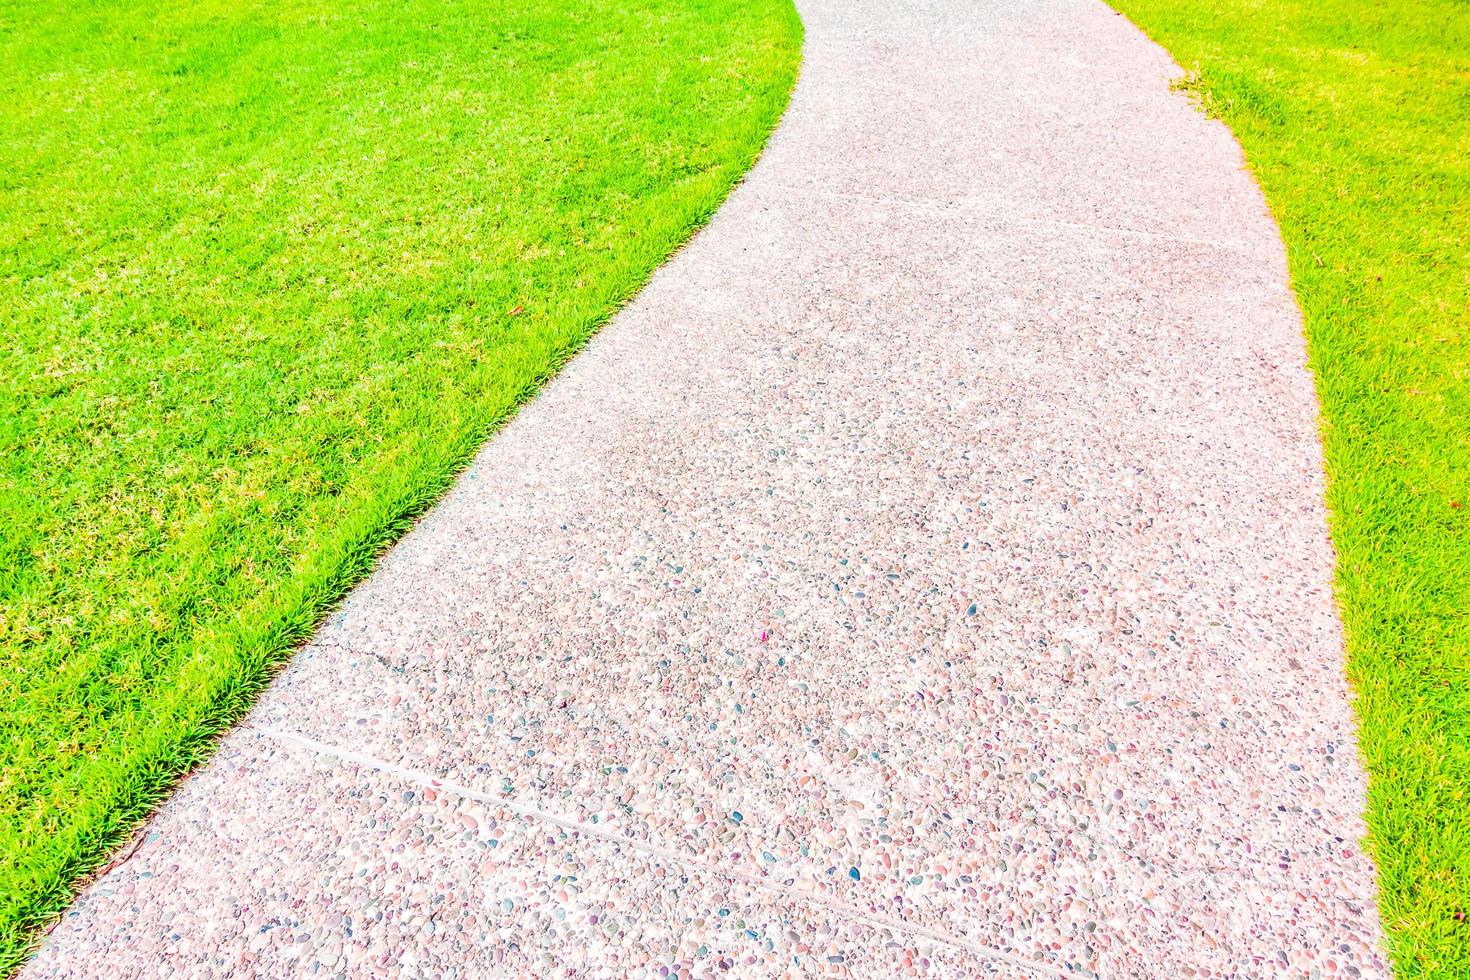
<point x="270" y="272"/>
<point x="1355" y="116"/>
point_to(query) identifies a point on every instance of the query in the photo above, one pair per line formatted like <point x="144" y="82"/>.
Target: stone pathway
<point x="927" y="574"/>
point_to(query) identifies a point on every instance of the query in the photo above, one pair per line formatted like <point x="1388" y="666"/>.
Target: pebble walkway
<point x="926" y="575"/>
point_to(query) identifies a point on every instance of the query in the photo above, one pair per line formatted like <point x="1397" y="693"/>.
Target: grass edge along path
<point x="1355" y="119"/>
<point x="231" y="659"/>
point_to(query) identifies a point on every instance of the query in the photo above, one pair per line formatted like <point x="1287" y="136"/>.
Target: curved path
<point x="927" y="573"/>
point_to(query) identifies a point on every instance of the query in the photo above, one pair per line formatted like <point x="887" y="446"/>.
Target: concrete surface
<point x="926" y="575"/>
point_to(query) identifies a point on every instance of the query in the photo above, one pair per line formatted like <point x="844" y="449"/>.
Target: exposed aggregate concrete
<point x="926" y="575"/>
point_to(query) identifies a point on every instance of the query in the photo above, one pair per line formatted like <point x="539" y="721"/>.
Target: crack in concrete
<point x="655" y="850"/>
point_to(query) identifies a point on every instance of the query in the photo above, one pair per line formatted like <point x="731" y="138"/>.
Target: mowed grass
<point x="270" y="272"/>
<point x="1355" y="116"/>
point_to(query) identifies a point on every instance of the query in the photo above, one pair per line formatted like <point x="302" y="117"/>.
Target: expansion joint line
<point x="662" y="853"/>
